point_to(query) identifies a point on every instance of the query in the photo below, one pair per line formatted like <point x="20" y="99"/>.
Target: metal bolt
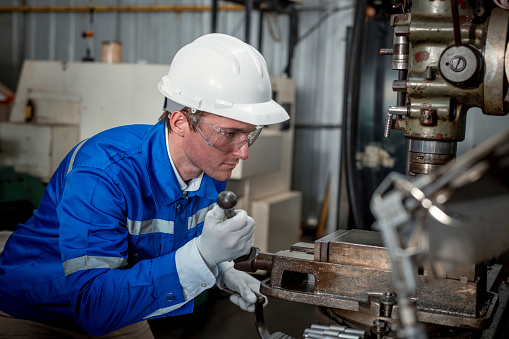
<point x="380" y="325"/>
<point x="428" y="117"/>
<point x="458" y="63"/>
<point x="386" y="51"/>
<point x="387" y="301"/>
<point x="480" y="11"/>
<point x="379" y="328"/>
<point x="430" y="74"/>
<point x="388" y="298"/>
<point x="399" y="85"/>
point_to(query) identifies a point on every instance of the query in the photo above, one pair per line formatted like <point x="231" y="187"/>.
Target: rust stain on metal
<point x="421" y="56"/>
<point x="346" y="283"/>
<point x="399" y="124"/>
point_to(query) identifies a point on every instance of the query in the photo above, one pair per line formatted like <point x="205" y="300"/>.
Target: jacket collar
<point x="162" y="178"/>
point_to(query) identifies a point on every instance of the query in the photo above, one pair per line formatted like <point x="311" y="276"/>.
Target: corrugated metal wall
<point x="155" y="36"/>
<point x="319" y="73"/>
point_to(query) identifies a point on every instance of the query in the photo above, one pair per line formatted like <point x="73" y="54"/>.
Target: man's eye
<point x="229" y="134"/>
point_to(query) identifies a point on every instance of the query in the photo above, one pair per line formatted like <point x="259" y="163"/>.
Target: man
<point x="128" y="228"/>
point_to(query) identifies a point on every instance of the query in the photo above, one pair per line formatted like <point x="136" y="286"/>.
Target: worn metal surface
<point x="487" y="327"/>
<point x="359" y="248"/>
<point x="303" y="247"/>
<point x="431" y="32"/>
<point x="494" y="77"/>
<point x="354" y="282"/>
<point x="254" y="261"/>
<point x="343" y="274"/>
<point x="449" y="72"/>
<point x="363" y="285"/>
<point x="321" y="252"/>
<point x="495" y="328"/>
<point x="362" y="321"/>
<point x="425" y="158"/>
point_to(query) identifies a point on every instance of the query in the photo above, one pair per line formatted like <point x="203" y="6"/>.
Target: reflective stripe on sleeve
<point x="88" y="262"/>
<point x="198" y="217"/>
<point x="71" y="162"/>
<point x="149" y="226"/>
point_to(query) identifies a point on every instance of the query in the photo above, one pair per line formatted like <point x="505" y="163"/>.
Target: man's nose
<point x="243" y="152"/>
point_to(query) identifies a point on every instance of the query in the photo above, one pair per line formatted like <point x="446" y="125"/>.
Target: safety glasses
<point x="225" y="139"/>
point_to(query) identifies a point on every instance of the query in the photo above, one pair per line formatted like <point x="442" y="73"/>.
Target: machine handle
<point x="227" y="200"/>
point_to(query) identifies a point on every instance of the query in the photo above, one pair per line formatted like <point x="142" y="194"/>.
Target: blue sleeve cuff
<point x="166" y="281"/>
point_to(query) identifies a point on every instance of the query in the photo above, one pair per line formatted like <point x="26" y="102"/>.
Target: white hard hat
<point x="223" y="75"/>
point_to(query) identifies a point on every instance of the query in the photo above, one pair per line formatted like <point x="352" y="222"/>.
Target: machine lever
<point x="227" y="200"/>
<point x="259" y="319"/>
<point x="252" y="261"/>
<point x="388" y="125"/>
<point x="263" y="332"/>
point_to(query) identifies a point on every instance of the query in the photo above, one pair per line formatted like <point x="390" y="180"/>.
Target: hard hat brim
<point x="265" y="113"/>
<point x="172" y="106"/>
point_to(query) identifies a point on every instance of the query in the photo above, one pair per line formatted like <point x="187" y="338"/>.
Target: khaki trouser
<point x="11" y="327"/>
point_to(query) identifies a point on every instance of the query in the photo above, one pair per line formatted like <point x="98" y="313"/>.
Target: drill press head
<point x="447" y="64"/>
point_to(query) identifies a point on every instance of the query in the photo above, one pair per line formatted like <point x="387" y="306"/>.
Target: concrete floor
<point x="218" y="318"/>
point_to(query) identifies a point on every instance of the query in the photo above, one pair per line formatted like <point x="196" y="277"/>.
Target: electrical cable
<point x="351" y="114"/>
<point x="322" y="19"/>
<point x="294" y="34"/>
<point x="456" y="22"/>
<point x="294" y="37"/>
<point x="275" y="33"/>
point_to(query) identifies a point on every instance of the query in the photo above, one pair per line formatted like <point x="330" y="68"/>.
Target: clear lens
<point x="226" y="140"/>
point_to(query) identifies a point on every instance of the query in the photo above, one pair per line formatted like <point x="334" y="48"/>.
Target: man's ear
<point x="178" y="122"/>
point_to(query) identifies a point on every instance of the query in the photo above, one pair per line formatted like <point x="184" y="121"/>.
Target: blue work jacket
<point x="100" y="249"/>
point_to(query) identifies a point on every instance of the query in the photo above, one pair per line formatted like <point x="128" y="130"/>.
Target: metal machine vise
<point x="348" y="274"/>
<point x="450" y="57"/>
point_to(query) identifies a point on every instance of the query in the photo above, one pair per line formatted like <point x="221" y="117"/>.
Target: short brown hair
<point x="187" y="112"/>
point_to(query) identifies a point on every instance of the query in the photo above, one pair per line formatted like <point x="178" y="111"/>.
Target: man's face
<point x="215" y="163"/>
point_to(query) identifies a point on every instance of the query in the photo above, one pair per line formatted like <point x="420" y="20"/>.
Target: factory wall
<point x="155" y="36"/>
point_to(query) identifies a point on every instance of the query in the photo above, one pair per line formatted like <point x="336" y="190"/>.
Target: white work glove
<point x="225" y="239"/>
<point x="244" y="284"/>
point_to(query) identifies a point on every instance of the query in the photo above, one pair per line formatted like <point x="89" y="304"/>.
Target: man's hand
<point x="244" y="284"/>
<point x="225" y="240"/>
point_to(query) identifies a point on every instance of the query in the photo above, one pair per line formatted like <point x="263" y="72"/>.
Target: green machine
<point x="20" y="194"/>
